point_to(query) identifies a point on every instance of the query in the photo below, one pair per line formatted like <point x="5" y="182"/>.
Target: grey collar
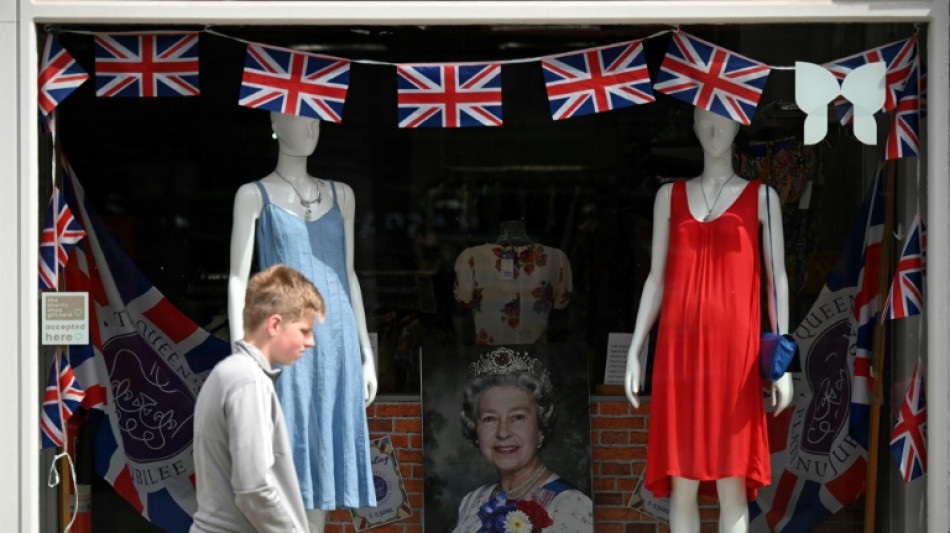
<point x="257" y="356"/>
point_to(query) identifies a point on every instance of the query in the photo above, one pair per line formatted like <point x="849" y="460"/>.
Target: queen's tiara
<point x="505" y="361"/>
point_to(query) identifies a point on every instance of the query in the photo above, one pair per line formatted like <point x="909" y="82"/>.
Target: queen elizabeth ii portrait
<point x="522" y="465"/>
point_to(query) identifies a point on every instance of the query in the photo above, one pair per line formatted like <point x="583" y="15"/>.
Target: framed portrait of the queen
<point x="506" y="438"/>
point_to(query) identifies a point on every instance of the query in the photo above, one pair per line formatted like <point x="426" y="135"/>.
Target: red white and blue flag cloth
<point x="62" y="397"/>
<point x="711" y="77"/>
<point x="294" y="83"/>
<point x="59" y="75"/>
<point x="597" y="80"/>
<point x="818" y="465"/>
<point x="909" y="438"/>
<point x="903" y="140"/>
<point x="58" y="237"/>
<point x="906" y="297"/>
<point x="898" y="56"/>
<point x="142" y="370"/>
<point x="146" y="65"/>
<point x="449" y="95"/>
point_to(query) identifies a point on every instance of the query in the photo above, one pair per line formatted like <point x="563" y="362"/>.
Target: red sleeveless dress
<point x="707" y="414"/>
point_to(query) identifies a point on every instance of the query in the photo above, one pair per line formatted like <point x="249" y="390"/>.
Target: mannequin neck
<point x="292" y="167"/>
<point x="513" y="233"/>
<point x="717" y="169"/>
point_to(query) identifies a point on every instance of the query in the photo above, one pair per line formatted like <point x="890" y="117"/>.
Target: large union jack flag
<point x="449" y="96"/>
<point x="59" y="235"/>
<point x="899" y="58"/>
<point x="295" y="83"/>
<point x="909" y="438"/>
<point x="597" y="80"/>
<point x="906" y="297"/>
<point x="59" y="75"/>
<point x="713" y="78"/>
<point x="904" y="138"/>
<point x="147" y="65"/>
<point x="61" y="399"/>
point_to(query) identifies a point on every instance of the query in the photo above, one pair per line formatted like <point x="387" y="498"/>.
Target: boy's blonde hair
<point x="280" y="290"/>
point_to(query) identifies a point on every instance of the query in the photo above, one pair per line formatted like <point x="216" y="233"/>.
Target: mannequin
<point x="290" y="189"/>
<point x="513" y="233"/>
<point x="708" y="197"/>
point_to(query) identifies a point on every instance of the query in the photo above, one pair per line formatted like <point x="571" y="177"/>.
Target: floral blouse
<point x="512" y="289"/>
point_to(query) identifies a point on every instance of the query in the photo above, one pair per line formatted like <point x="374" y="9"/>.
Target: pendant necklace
<point x="709" y="210"/>
<point x="303" y="202"/>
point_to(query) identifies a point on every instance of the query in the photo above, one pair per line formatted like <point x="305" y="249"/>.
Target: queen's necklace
<point x="709" y="210"/>
<point x="519" y="491"/>
<point x="303" y="202"/>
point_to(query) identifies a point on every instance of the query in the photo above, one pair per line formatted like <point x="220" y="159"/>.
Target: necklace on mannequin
<point x="709" y="210"/>
<point x="303" y="201"/>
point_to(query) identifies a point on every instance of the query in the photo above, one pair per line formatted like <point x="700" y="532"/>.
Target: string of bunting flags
<point x="455" y="95"/>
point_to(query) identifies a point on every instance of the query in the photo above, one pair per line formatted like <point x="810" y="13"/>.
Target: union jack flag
<point x="62" y="398"/>
<point x="146" y="65"/>
<point x="865" y="312"/>
<point x="597" y="80"/>
<point x="906" y="297"/>
<point x="294" y="83"/>
<point x="60" y="234"/>
<point x="899" y="58"/>
<point x="909" y="438"/>
<point x="142" y="369"/>
<point x="449" y="96"/>
<point x="713" y="78"/>
<point x="904" y="138"/>
<point x="59" y="76"/>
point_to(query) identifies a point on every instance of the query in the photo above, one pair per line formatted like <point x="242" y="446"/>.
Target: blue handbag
<point x="776" y="350"/>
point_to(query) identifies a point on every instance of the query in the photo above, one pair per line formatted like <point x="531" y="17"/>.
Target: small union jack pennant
<point x="597" y="80"/>
<point x="147" y="65"/>
<point x="61" y="399"/>
<point x="60" y="234"/>
<point x="899" y="58"/>
<point x="59" y="76"/>
<point x="904" y="138"/>
<point x="907" y="289"/>
<point x="713" y="78"/>
<point x="449" y="96"/>
<point x="909" y="438"/>
<point x="294" y="83"/>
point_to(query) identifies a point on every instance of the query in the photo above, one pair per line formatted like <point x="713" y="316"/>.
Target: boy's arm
<point x="250" y="434"/>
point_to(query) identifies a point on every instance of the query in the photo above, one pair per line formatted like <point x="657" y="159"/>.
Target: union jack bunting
<point x="865" y="311"/>
<point x="59" y="75"/>
<point x="449" y="96"/>
<point x="904" y="138"/>
<point x="899" y="57"/>
<point x="61" y="399"/>
<point x="909" y="438"/>
<point x="906" y="297"/>
<point x="294" y="83"/>
<point x="597" y="80"/>
<point x="146" y="65"/>
<point x="713" y="78"/>
<point x="59" y="235"/>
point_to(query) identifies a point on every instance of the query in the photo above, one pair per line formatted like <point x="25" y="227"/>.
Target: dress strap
<point x="263" y="192"/>
<point x="333" y="188"/>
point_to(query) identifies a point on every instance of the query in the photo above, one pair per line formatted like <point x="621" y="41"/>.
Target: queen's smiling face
<point x="507" y="428"/>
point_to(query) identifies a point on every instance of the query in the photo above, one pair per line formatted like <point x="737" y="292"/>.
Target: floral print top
<point x="511" y="290"/>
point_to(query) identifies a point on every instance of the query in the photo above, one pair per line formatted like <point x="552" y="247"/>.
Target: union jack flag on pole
<point x="597" y="80"/>
<point x="449" y="96"/>
<point x="294" y="83"/>
<point x="713" y="78"/>
<point x="906" y="297"/>
<point x="909" y="438"/>
<point x="146" y="65"/>
<point x="60" y="234"/>
<point x="899" y="58"/>
<point x="61" y="399"/>
<point x="59" y="75"/>
<point x="904" y="138"/>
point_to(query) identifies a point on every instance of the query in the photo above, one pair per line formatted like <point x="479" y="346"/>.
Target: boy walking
<point x="244" y="469"/>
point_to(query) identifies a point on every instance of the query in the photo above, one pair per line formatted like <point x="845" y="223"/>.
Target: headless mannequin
<point x="513" y="233"/>
<point x="297" y="139"/>
<point x="718" y="180"/>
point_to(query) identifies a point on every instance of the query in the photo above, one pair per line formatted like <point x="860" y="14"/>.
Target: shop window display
<point x="163" y="174"/>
